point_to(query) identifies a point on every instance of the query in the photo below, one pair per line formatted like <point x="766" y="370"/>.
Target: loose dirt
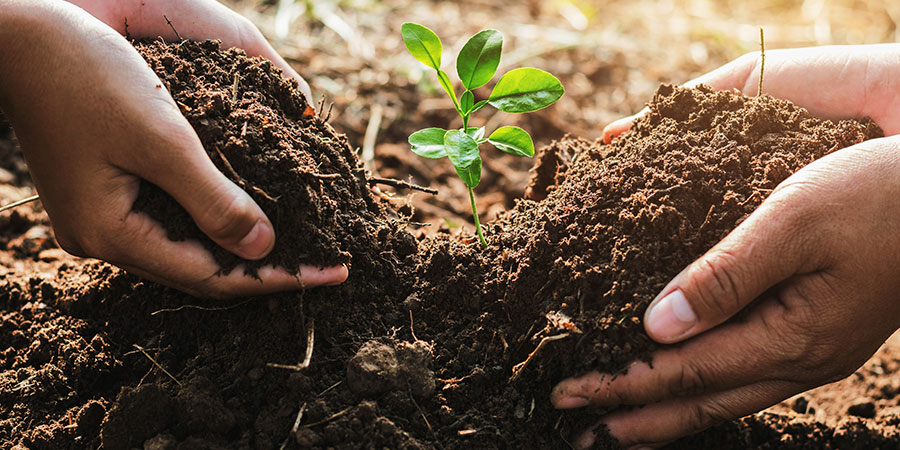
<point x="432" y="342"/>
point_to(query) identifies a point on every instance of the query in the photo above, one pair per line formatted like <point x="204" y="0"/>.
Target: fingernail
<point x="572" y="403"/>
<point x="257" y="242"/>
<point x="671" y="317"/>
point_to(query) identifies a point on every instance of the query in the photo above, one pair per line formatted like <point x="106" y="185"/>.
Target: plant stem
<point x="465" y="123"/>
<point x="475" y="215"/>
<point x="762" y="64"/>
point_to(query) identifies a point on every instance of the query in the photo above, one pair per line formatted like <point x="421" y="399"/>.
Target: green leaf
<point x="470" y="175"/>
<point x="428" y="143"/>
<point x="513" y="140"/>
<point x="444" y="80"/>
<point x="463" y="153"/>
<point x="526" y="90"/>
<point x="478" y="60"/>
<point x="466" y="101"/>
<point x="478" y="106"/>
<point x="423" y="44"/>
<point x="475" y="133"/>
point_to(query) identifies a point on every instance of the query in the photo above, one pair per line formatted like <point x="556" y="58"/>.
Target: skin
<point x="814" y="267"/>
<point x="93" y="120"/>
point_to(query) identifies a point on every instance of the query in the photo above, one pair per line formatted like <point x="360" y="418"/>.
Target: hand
<point x="835" y="82"/>
<point x="93" y="120"/>
<point x="813" y="271"/>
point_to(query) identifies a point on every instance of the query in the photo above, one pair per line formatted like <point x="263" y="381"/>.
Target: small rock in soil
<point x="864" y="409"/>
<point x="161" y="442"/>
<point x="379" y="367"/>
<point x="415" y="361"/>
<point x="801" y="405"/>
<point x="138" y="414"/>
<point x="373" y="370"/>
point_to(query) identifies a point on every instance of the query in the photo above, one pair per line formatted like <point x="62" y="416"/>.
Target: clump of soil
<point x="260" y="132"/>
<point x="434" y="343"/>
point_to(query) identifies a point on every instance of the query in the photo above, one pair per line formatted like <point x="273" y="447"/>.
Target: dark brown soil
<point x="419" y="349"/>
<point x="261" y="133"/>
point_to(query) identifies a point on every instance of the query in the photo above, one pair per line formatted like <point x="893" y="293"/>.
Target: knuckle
<point x="227" y="217"/>
<point x="718" y="290"/>
<point x="816" y="362"/>
<point x="247" y="35"/>
<point x="704" y="415"/>
<point x="690" y="381"/>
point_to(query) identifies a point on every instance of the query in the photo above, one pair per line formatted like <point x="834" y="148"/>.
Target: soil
<point x="423" y="347"/>
<point x="261" y="133"/>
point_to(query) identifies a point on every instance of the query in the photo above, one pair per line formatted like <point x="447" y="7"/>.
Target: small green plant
<point x="518" y="91"/>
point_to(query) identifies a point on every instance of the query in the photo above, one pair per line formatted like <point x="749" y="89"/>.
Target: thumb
<point x="763" y="251"/>
<point x="223" y="211"/>
<point x="619" y="126"/>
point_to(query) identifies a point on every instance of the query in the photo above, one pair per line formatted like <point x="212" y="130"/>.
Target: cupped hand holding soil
<point x="94" y="120"/>
<point x="800" y="294"/>
<point x="834" y="82"/>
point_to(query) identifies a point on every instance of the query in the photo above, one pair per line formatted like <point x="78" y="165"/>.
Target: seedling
<point x="518" y="91"/>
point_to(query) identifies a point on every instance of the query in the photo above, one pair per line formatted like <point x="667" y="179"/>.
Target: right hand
<point x="835" y="82"/>
<point x="93" y="120"/>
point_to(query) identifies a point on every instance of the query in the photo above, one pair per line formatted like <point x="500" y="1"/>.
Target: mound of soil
<point x="260" y="132"/>
<point x="432" y="342"/>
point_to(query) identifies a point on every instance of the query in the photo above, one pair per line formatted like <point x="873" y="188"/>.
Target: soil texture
<point x="433" y="342"/>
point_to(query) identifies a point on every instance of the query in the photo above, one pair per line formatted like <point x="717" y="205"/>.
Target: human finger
<point x="141" y="247"/>
<point x="654" y="425"/>
<point x="732" y="355"/>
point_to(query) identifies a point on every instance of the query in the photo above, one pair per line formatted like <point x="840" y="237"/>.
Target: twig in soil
<point x="295" y="427"/>
<point x="412" y="331"/>
<point x="503" y="340"/>
<point x="173" y="28"/>
<point x="310" y="342"/>
<point x="422" y="412"/>
<point x="265" y="194"/>
<point x="329" y="418"/>
<point x="368" y="148"/>
<point x="141" y="349"/>
<point x="762" y="64"/>
<point x="234" y="87"/>
<point x="330" y="388"/>
<point x="202" y="308"/>
<point x="321" y="106"/>
<point x="400" y="184"/>
<point x="518" y="368"/>
<point x="19" y="202"/>
<point x="228" y="166"/>
<point x="240" y="181"/>
<point x="325" y="176"/>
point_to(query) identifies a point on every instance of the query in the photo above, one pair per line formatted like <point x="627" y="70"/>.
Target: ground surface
<point x="421" y="348"/>
<point x="74" y="333"/>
